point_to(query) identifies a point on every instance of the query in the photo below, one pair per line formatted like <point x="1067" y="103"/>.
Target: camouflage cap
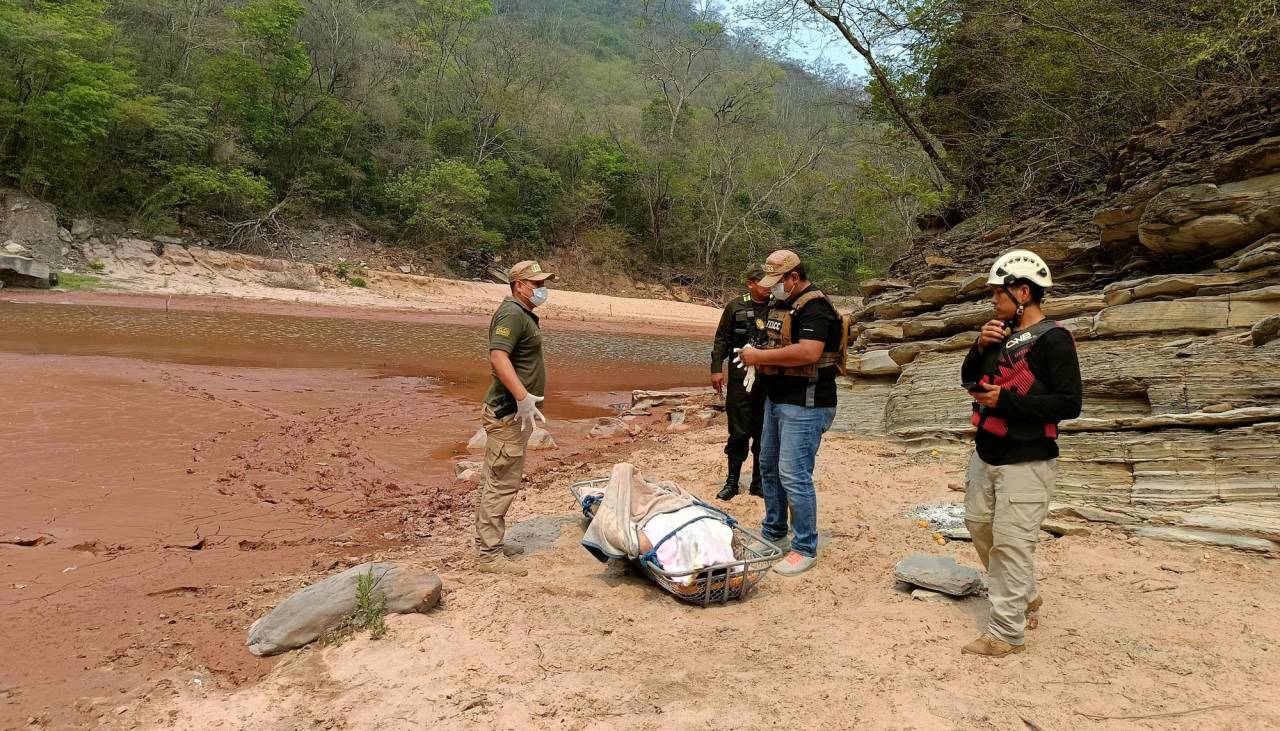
<point x="754" y="271"/>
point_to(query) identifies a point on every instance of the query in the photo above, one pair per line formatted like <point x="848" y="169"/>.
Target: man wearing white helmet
<point x="1024" y="377"/>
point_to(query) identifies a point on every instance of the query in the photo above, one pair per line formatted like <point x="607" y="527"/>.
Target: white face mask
<point x="538" y="296"/>
<point x="779" y="291"/>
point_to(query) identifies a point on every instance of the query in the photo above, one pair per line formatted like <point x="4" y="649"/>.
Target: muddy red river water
<point x="157" y="466"/>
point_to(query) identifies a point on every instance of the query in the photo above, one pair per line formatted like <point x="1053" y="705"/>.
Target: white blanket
<point x="696" y="545"/>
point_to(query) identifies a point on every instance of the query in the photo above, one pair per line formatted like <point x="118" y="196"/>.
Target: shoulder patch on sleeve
<point x="502" y="331"/>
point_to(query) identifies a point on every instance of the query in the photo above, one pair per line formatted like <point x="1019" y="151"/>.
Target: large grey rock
<point x="873" y="363"/>
<point x="541" y="439"/>
<point x="306" y="614"/>
<point x="32" y="223"/>
<point x="938" y="573"/>
<point x="23" y="271"/>
<point x="1264" y="331"/>
<point x="1192" y="219"/>
<point x="609" y="427"/>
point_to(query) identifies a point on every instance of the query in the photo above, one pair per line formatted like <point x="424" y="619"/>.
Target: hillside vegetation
<point x="655" y="136"/>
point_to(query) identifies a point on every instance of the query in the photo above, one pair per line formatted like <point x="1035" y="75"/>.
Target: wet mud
<point x="159" y="469"/>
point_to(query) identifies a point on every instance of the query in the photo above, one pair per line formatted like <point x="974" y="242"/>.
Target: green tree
<point x="63" y="89"/>
<point x="441" y="204"/>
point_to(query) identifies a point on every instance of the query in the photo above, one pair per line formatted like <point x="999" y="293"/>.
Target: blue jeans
<point x="788" y="450"/>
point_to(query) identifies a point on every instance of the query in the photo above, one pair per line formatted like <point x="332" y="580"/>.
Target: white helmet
<point x="1020" y="264"/>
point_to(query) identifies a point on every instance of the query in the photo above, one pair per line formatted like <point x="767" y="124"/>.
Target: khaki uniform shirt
<point x="514" y="330"/>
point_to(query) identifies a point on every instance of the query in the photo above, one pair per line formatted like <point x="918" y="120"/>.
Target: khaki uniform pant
<point x="1004" y="506"/>
<point x="500" y="480"/>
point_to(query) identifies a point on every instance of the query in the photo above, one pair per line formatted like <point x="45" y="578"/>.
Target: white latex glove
<point x="527" y="410"/>
<point x="750" y="378"/>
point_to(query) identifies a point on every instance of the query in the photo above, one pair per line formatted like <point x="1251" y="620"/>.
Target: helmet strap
<point x="1017" y="318"/>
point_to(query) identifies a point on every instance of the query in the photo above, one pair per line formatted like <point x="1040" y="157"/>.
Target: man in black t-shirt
<point x="797" y="370"/>
<point x="1024" y="377"/>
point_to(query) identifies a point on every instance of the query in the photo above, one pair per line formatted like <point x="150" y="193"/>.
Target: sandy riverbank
<point x="578" y="645"/>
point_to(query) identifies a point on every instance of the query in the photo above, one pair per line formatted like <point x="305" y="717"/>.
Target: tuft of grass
<point x="370" y="613"/>
<point x="72" y="281"/>
<point x="357" y="282"/>
<point x="97" y="266"/>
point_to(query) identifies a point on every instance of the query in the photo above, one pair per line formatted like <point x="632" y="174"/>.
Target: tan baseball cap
<point x="529" y="270"/>
<point x="777" y="265"/>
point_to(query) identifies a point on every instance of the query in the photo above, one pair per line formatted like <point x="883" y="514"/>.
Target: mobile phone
<point x="971" y="386"/>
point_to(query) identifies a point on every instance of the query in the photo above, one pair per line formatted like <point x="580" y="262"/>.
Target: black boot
<point x="730" y="488"/>
<point x="757" y="487"/>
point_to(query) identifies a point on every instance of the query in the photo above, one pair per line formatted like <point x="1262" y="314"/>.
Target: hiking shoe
<point x="501" y="565"/>
<point x="794" y="563"/>
<point x="512" y="549"/>
<point x="761" y="548"/>
<point x="988" y="645"/>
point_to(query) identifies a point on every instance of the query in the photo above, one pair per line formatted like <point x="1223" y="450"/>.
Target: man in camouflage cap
<point x="510" y="411"/>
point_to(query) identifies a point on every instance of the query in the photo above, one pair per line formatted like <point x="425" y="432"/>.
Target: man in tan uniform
<point x="510" y="411"/>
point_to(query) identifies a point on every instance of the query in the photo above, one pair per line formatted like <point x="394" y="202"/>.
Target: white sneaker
<point x="794" y="563"/>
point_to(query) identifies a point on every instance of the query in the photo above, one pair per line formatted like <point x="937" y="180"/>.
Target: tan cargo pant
<point x="499" y="481"/>
<point x="1003" y="508"/>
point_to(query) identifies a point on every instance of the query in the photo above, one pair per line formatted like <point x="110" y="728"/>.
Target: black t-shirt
<point x="1055" y="365"/>
<point x="817" y="320"/>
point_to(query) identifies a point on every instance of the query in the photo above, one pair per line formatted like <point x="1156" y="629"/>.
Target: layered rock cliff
<point x="1169" y="278"/>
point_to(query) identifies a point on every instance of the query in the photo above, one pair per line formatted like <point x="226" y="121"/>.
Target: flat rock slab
<point x="300" y="619"/>
<point x="609" y="428"/>
<point x="938" y="573"/>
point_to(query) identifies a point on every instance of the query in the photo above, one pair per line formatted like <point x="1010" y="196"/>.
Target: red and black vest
<point x="1011" y="372"/>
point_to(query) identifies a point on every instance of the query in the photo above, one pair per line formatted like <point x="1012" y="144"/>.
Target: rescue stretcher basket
<point x="714" y="584"/>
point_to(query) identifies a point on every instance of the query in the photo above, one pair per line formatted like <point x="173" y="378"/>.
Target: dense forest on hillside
<point x="648" y="134"/>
